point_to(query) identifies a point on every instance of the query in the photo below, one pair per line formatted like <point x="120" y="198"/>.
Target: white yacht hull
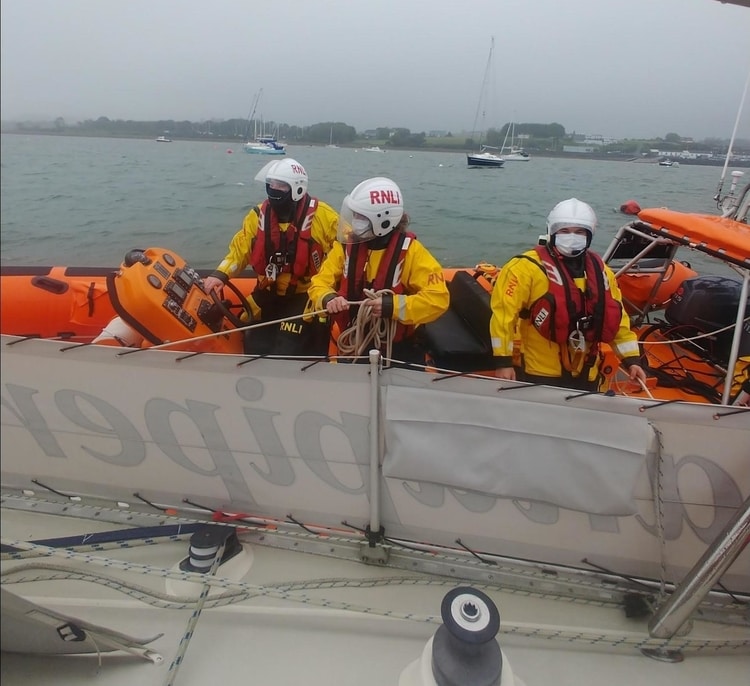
<point x="547" y="501"/>
<point x="637" y="487"/>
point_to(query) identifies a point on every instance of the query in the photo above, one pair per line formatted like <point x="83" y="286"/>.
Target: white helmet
<point x="374" y="208"/>
<point x="570" y="214"/>
<point x="287" y="170"/>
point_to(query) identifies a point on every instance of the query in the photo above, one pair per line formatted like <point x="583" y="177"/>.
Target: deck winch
<point x="205" y="544"/>
<point x="464" y="650"/>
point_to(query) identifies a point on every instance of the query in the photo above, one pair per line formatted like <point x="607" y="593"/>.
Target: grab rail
<point x="717" y="558"/>
<point x="374" y="529"/>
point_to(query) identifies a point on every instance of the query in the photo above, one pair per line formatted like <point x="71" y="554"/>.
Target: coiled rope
<point x="368" y="330"/>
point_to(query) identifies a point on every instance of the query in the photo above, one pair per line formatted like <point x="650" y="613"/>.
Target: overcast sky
<point x="624" y="68"/>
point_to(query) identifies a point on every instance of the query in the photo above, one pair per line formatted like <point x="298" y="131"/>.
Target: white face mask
<point x="361" y="226"/>
<point x="571" y="244"/>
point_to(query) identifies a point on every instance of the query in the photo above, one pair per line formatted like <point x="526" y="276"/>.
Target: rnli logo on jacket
<point x="541" y="317"/>
<point x="291" y="327"/>
<point x="511" y="286"/>
<point x="385" y="197"/>
<point x="316" y="260"/>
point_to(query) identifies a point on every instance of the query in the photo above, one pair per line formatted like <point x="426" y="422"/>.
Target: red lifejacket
<point x="564" y="307"/>
<point x="292" y="251"/>
<point x="388" y="276"/>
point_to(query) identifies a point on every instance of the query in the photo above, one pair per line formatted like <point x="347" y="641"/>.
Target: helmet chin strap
<point x="580" y="253"/>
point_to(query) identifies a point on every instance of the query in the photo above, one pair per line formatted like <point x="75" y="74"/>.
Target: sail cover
<point x="575" y="458"/>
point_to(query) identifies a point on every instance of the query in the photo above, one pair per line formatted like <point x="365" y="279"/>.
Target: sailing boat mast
<point x="331" y="144"/>
<point x="250" y="116"/>
<point x="482" y="104"/>
<point x="509" y="131"/>
<point x="484" y="158"/>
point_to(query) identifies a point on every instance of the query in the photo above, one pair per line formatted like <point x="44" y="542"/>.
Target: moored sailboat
<point x="510" y="151"/>
<point x="262" y="143"/>
<point x="331" y="144"/>
<point x="484" y="157"/>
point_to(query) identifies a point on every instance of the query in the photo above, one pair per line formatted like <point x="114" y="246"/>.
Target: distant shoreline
<point x="361" y="144"/>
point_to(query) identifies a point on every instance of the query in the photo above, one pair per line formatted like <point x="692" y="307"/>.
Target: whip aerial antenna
<point x="719" y="200"/>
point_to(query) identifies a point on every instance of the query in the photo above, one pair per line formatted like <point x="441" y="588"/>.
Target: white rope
<point x="644" y="387"/>
<point x="294" y="591"/>
<point x="368" y="330"/>
<point x="190" y="628"/>
<point x="669" y="341"/>
<point x="249" y="327"/>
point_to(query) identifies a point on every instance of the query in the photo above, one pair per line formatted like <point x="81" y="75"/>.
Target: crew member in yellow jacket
<point x="563" y="302"/>
<point x="284" y="239"/>
<point x="377" y="255"/>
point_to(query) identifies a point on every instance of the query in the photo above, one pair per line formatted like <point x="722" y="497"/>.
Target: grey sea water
<point x="87" y="201"/>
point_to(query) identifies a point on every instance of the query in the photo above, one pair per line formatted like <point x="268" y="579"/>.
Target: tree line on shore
<point x="531" y="136"/>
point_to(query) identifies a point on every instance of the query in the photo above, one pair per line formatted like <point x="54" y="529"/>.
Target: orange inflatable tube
<point x="69" y="303"/>
<point x="54" y="302"/>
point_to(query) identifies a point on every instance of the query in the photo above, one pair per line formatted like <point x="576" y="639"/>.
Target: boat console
<point x="158" y="294"/>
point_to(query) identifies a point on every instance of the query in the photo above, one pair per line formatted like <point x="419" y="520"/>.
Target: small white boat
<point x="510" y="151"/>
<point x="373" y="148"/>
<point x="264" y="146"/>
<point x="163" y="139"/>
<point x="516" y="155"/>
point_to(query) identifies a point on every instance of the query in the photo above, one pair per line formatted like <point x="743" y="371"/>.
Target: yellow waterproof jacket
<point x="426" y="294"/>
<point x="323" y="231"/>
<point x="519" y="284"/>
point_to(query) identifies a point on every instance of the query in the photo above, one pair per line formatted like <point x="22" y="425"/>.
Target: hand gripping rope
<point x="368" y="330"/>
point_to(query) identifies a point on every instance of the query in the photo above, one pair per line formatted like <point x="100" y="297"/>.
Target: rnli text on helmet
<point x="384" y="197"/>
